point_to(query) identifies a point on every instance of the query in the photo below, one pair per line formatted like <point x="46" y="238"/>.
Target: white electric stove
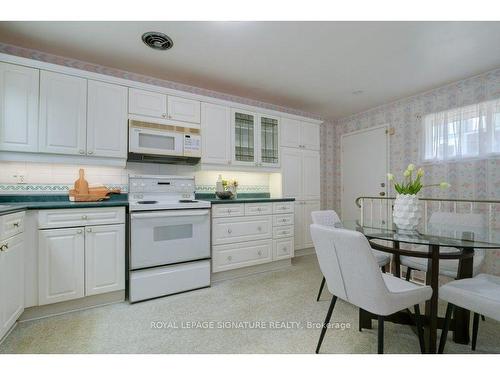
<point x="169" y="237"/>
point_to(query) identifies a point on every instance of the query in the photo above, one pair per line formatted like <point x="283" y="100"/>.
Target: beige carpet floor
<point x="273" y="312"/>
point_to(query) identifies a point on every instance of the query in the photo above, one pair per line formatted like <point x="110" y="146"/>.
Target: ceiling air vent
<point x="157" y="40"/>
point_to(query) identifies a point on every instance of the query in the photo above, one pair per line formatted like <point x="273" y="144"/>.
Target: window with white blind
<point x="467" y="132"/>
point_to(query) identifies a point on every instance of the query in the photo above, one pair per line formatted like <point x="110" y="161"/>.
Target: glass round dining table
<point x="464" y="238"/>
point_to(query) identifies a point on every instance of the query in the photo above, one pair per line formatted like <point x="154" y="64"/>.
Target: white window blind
<point x="461" y="133"/>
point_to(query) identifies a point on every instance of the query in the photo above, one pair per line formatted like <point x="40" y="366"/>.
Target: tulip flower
<point x="411" y="167"/>
<point x="390" y="176"/>
<point x="407" y="173"/>
<point x="420" y="172"/>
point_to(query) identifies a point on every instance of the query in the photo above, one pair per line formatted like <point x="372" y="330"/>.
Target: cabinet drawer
<point x="73" y="217"/>
<point x="227" y="257"/>
<point x="280" y="220"/>
<point x="283" y="207"/>
<point x="229" y="230"/>
<point x="258" y="209"/>
<point x="283" y="248"/>
<point x="228" y="209"/>
<point x="11" y="224"/>
<point x="281" y="232"/>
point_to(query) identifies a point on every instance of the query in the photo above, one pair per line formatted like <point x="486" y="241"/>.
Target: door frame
<point x="385" y="126"/>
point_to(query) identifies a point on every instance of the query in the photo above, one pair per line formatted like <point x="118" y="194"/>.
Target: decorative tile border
<point x="47" y="188"/>
<point x="241" y="189"/>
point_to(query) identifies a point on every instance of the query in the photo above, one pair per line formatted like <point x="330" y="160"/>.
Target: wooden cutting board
<point x="83" y="193"/>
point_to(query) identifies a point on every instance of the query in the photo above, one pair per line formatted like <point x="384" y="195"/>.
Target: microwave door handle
<point x="174" y="213"/>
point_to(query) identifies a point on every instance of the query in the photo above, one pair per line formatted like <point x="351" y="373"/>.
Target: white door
<point x="63" y="114"/>
<point x="181" y="109"/>
<point x="11" y="282"/>
<point x="147" y="103"/>
<point x="215" y="134"/>
<point x="299" y="224"/>
<point x="107" y="120"/>
<point x="104" y="259"/>
<point x="18" y="108"/>
<point x="291" y="169"/>
<point x="290" y="132"/>
<point x="309" y="206"/>
<point x="60" y="265"/>
<point x="309" y="136"/>
<point x="363" y="168"/>
<point x="310" y="174"/>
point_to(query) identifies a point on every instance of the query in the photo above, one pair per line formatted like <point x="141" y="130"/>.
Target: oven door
<point x="164" y="237"/>
<point x="155" y="142"/>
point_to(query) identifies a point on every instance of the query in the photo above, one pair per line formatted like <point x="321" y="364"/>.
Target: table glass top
<point x="442" y="234"/>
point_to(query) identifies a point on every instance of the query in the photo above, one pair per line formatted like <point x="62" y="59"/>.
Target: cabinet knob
<point x="229" y="230"/>
<point x="81" y="152"/>
<point x="90" y="152"/>
<point x="16" y="225"/>
<point x="89" y="230"/>
<point x="260" y="253"/>
<point x="259" y="209"/>
<point x="3" y="247"/>
<point x="84" y="217"/>
<point x="259" y="228"/>
<point x="163" y="115"/>
<point x="285" y="249"/>
<point x="79" y="231"/>
<point x="229" y="258"/>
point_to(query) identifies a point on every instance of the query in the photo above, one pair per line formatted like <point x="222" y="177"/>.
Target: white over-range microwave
<point x="163" y="142"/>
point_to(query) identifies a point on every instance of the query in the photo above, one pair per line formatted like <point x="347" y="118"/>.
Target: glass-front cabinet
<point x="255" y="139"/>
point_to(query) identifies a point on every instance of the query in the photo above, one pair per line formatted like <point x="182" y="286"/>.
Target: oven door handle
<point x="173" y="213"/>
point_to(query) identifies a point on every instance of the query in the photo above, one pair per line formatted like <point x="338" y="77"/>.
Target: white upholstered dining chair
<point x="352" y="274"/>
<point x="449" y="267"/>
<point x="480" y="294"/>
<point x="331" y="219"/>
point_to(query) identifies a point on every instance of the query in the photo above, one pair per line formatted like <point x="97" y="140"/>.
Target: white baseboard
<point x="302" y="252"/>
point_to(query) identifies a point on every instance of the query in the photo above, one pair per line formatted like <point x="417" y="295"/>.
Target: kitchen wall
<point x="473" y="179"/>
<point x="27" y="177"/>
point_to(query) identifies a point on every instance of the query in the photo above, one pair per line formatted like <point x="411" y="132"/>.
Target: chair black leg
<point x="383" y="269"/>
<point x="380" y="335"/>
<point x="327" y="320"/>
<point x="408" y="273"/>
<point x="420" y="329"/>
<point x="483" y="318"/>
<point x="321" y="289"/>
<point x="446" y="327"/>
<point x="475" y="328"/>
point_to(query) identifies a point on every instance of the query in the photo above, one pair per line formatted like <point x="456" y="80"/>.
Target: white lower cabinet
<point x="104" y="259"/>
<point x="11" y="282"/>
<point x="81" y="261"/>
<point x="250" y="234"/>
<point x="61" y="267"/>
<point x="303" y="222"/>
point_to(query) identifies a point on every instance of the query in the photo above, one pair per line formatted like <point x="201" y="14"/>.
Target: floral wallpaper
<point x="472" y="179"/>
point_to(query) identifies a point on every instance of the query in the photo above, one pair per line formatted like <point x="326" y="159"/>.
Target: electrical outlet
<point x="20" y="176"/>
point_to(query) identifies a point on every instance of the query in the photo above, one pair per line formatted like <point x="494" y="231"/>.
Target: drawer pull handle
<point x="84" y="217"/>
<point x="260" y="253"/>
<point x="284" y="232"/>
<point x="259" y="209"/>
<point x="229" y="230"/>
<point x="79" y="231"/>
<point x="4" y="247"/>
<point x="229" y="258"/>
<point x="283" y="220"/>
<point x="229" y="210"/>
<point x="16" y="225"/>
<point x="89" y="230"/>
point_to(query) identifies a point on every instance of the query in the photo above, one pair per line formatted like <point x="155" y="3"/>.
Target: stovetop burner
<point x="187" y="201"/>
<point x="147" y="202"/>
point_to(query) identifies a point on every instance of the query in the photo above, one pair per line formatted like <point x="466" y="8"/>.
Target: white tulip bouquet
<point x="412" y="186"/>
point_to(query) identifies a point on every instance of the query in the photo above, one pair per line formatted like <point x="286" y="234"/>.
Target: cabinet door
<point x="107" y="120"/>
<point x="309" y="206"/>
<point x="63" y="114"/>
<point x="269" y="144"/>
<point x="243" y="130"/>
<point x="18" y="108"/>
<point x="215" y="134"/>
<point x="104" y="259"/>
<point x="181" y="109"/>
<point x="11" y="282"/>
<point x="309" y="136"/>
<point x="60" y="265"/>
<point x="290" y="132"/>
<point x="291" y="169"/>
<point x="147" y="103"/>
<point x="310" y="174"/>
<point x="299" y="225"/>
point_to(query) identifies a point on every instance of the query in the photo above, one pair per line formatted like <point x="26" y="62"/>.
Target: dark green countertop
<point x="11" y="203"/>
<point x="242" y="198"/>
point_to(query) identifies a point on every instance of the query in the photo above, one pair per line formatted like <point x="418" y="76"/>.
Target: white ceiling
<point x="311" y="66"/>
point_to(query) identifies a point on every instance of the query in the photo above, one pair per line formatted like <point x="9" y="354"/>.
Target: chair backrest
<point x="351" y="272"/>
<point x="326" y="217"/>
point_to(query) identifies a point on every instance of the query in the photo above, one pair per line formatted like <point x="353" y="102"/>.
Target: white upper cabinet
<point x="290" y="132"/>
<point x="147" y="103"/>
<point x="215" y="134"/>
<point x="309" y="136"/>
<point x="18" y="108"/>
<point x="63" y="114"/>
<point x="107" y="120"/>
<point x="299" y="134"/>
<point x="181" y="109"/>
